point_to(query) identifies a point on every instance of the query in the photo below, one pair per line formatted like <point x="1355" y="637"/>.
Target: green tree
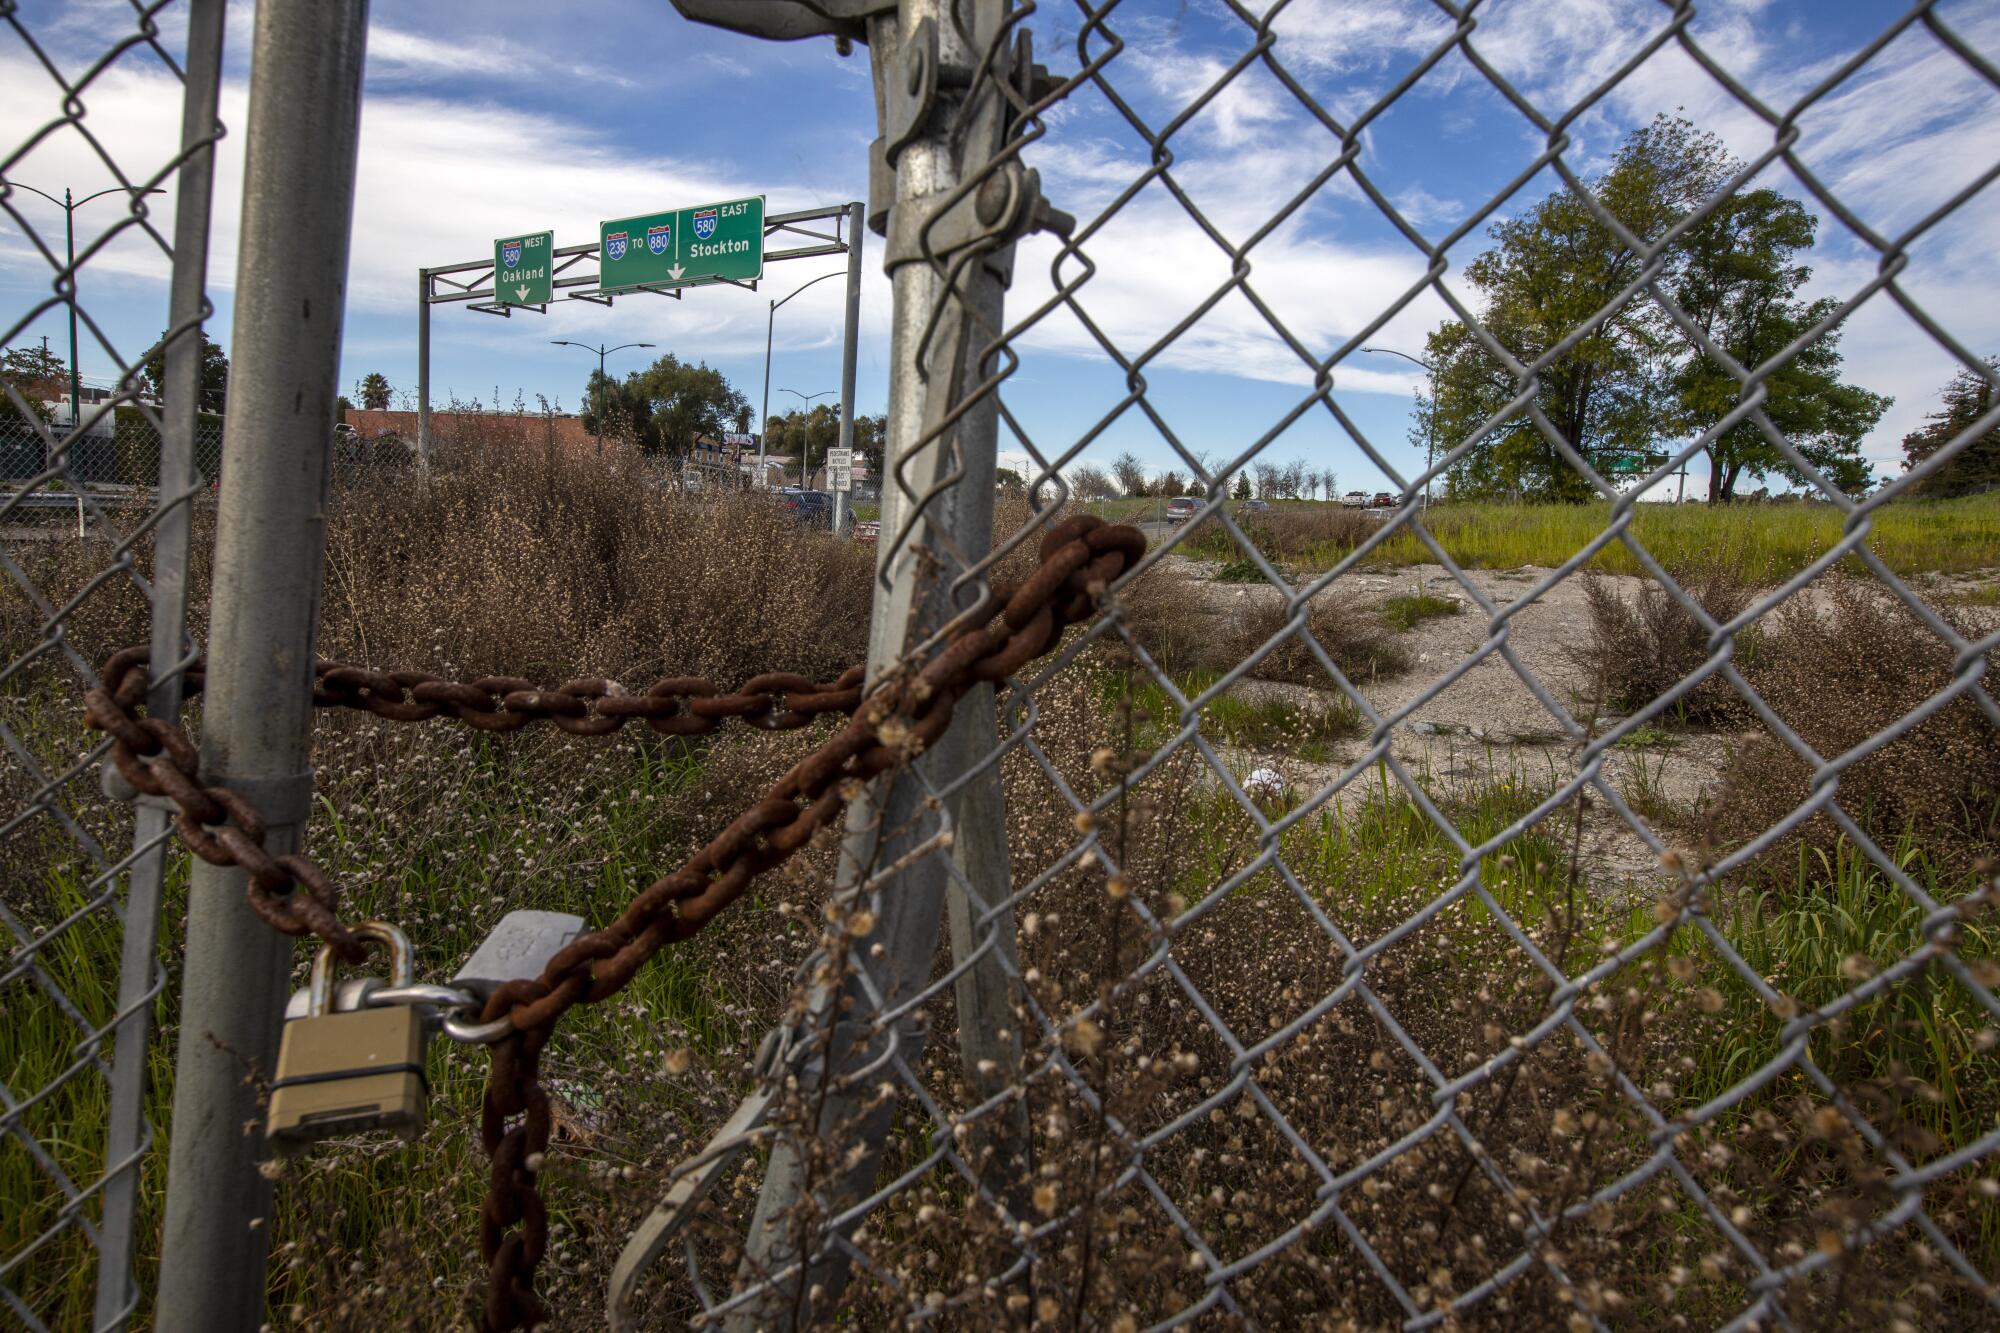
<point x="664" y="407"/>
<point x="805" y="434"/>
<point x="374" y="391"/>
<point x="1739" y="283"/>
<point x="214" y="393"/>
<point x="1007" y="479"/>
<point x="1633" y="379"/>
<point x="1974" y="468"/>
<point x="871" y="441"/>
<point x="1241" y="491"/>
<point x="1553" y="270"/>
<point x="36" y="376"/>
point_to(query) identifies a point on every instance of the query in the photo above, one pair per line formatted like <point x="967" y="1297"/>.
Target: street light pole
<point x="602" y="351"/>
<point x="805" y="442"/>
<point x="69" y="207"/>
<point x="1430" y="420"/>
<point x="764" y="413"/>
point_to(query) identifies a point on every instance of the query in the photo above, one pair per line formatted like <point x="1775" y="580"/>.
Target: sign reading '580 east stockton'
<point x="710" y="243"/>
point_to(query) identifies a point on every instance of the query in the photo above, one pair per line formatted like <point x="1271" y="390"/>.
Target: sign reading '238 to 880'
<point x="711" y="243"/>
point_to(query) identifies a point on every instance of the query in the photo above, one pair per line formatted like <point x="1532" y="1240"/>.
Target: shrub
<point x="1839" y="663"/>
<point x="520" y="559"/>
<point x="1183" y="633"/>
<point x="1357" y="643"/>
<point x="1641" y="648"/>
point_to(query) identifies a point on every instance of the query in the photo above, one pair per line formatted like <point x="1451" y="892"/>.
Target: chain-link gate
<point x="1359" y="1043"/>
<point x="1200" y="1071"/>
<point x="96" y="516"/>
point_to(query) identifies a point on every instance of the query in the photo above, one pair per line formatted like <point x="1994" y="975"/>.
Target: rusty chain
<point x="1080" y="557"/>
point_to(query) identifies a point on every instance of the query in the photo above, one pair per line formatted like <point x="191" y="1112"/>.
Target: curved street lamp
<point x="1430" y="418"/>
<point x="770" y="322"/>
<point x="805" y="445"/>
<point x="69" y="207"/>
<point x="602" y="351"/>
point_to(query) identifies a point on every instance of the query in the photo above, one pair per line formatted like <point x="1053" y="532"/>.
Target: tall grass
<point x="1761" y="542"/>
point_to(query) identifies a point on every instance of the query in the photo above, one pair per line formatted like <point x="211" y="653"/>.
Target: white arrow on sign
<point x="675" y="272"/>
<point x="522" y="291"/>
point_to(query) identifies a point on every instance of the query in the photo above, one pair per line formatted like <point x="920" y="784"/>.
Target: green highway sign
<point x="524" y="269"/>
<point x="709" y="243"/>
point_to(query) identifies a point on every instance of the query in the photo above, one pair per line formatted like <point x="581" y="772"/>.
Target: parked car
<point x="868" y="530"/>
<point x="1253" y="507"/>
<point x="1181" y="508"/>
<point x="1383" y="500"/>
<point x="1355" y="499"/>
<point x="808" y="509"/>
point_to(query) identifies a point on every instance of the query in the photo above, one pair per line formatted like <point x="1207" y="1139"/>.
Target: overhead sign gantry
<point x="659" y="254"/>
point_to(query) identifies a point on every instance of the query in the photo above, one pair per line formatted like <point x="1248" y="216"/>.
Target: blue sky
<point x="490" y="118"/>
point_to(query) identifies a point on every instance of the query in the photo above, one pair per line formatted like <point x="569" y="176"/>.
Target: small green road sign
<point x="524" y="269"/>
<point x="711" y="243"/>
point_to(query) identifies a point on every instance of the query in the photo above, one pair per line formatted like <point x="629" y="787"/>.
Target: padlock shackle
<point x="402" y="963"/>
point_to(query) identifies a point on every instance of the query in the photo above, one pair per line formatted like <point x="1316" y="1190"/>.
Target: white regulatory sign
<point x="840" y="469"/>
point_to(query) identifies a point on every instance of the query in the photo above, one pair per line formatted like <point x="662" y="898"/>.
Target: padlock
<point x="348" y="1073"/>
<point x="517" y="950"/>
<point x="349" y="994"/>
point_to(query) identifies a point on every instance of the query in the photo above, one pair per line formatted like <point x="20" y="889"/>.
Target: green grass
<point x="1986" y="596"/>
<point x="394" y="1207"/>
<point x="1838" y="922"/>
<point x="1406" y="611"/>
<point x="1240" y="571"/>
<point x="1764" y="542"/>
<point x="1387" y="852"/>
<point x="1269" y="724"/>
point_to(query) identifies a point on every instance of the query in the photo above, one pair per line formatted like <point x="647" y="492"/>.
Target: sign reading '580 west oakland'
<point x="522" y="272"/>
<point x="711" y="243"/>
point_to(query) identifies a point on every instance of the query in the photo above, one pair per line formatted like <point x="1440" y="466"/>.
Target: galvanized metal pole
<point x="809" y="1173"/>
<point x="424" y="368"/>
<point x="140" y="978"/>
<point x="298" y="203"/>
<point x="848" y="347"/>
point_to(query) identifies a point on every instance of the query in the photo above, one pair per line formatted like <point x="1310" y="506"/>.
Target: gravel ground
<point x="1488" y="723"/>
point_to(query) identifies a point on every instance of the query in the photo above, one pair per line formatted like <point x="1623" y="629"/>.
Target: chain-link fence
<point x="95" y="526"/>
<point x="1361" y="1018"/>
<point x="1614" y="957"/>
<point x="121" y="455"/>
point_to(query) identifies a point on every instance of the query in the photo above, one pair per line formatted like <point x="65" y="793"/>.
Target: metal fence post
<point x="298" y="197"/>
<point x="937" y="499"/>
<point x="127" y="1134"/>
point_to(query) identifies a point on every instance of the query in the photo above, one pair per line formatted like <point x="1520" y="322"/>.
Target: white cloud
<point x="396" y="54"/>
<point x="1893" y="141"/>
<point x="428" y="192"/>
